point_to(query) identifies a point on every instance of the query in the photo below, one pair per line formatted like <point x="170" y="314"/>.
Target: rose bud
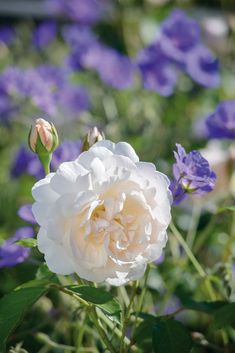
<point x="94" y="135"/>
<point x="43" y="140"/>
<point x="43" y="137"/>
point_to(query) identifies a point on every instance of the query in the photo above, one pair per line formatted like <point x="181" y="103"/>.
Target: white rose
<point x="103" y="216"/>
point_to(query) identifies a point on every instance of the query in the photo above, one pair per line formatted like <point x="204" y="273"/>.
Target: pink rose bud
<point x="94" y="135"/>
<point x="43" y="137"/>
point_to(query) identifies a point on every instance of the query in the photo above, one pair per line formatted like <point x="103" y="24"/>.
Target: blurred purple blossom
<point x="43" y="85"/>
<point x="26" y="162"/>
<point x="84" y="11"/>
<point x="12" y="254"/>
<point x="179" y="35"/>
<point x="73" y="99"/>
<point x="221" y="123"/>
<point x="22" y="163"/>
<point x="114" y="69"/>
<point x="156" y="70"/>
<point x="203" y="67"/>
<point x="44" y="34"/>
<point x="192" y="174"/>
<point x="7" y="109"/>
<point x="7" y="34"/>
<point x="25" y="213"/>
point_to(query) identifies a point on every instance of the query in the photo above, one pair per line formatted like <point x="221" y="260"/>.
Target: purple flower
<point x="25" y="213"/>
<point x="192" y="174"/>
<point x="26" y="162"/>
<point x="73" y="99"/>
<point x="44" y="34"/>
<point x="83" y="11"/>
<point x="7" y="109"/>
<point x="67" y="151"/>
<point x="156" y="70"/>
<point x="7" y="35"/>
<point x="78" y="36"/>
<point x="12" y="254"/>
<point x="179" y="35"/>
<point x="203" y="67"/>
<point x="114" y="69"/>
<point x="47" y="87"/>
<point x="221" y="123"/>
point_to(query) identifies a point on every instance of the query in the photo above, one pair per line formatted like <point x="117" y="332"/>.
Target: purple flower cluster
<point x="47" y="87"/>
<point x="26" y="162"/>
<point x="87" y="52"/>
<point x="86" y="12"/>
<point x="192" y="175"/>
<point x="221" y="123"/>
<point x="12" y="254"/>
<point x="7" y="35"/>
<point x="179" y="47"/>
<point x="44" y="34"/>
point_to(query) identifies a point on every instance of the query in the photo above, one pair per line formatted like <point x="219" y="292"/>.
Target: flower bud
<point x="94" y="135"/>
<point x="43" y="137"/>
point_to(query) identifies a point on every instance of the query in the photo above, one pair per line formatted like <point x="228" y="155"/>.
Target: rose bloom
<point x="103" y="216"/>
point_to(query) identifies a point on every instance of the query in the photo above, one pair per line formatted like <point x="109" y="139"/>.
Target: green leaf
<point x="143" y="333"/>
<point x="27" y="243"/>
<point x="203" y="306"/>
<point x="171" y="336"/>
<point x="224" y="316"/>
<point x="13" y="307"/>
<point x="227" y="208"/>
<point x="99" y="297"/>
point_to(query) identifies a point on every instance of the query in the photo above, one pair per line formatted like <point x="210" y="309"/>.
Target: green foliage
<point x="170" y="336"/>
<point x="99" y="298"/>
<point x="206" y="307"/>
<point x="27" y="243"/>
<point x="163" y="335"/>
<point x="13" y="306"/>
<point x="224" y="316"/>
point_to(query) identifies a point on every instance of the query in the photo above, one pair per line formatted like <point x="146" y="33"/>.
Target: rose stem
<point x="140" y="303"/>
<point x="127" y="315"/>
<point x="93" y="315"/>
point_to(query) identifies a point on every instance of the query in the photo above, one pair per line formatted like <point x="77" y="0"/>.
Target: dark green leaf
<point x="203" y="306"/>
<point x="12" y="308"/>
<point x="224" y="316"/>
<point x="27" y="243"/>
<point x="100" y="298"/>
<point x="171" y="336"/>
<point x="143" y="333"/>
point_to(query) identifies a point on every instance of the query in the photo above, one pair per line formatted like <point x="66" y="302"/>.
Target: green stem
<point x="187" y="250"/>
<point x="194" y="261"/>
<point x="193" y="225"/>
<point x="127" y="315"/>
<point x="116" y="330"/>
<point x="94" y="317"/>
<point x="140" y="304"/>
<point x="45" y="159"/>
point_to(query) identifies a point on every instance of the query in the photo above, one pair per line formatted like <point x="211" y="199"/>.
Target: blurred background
<point x="144" y="71"/>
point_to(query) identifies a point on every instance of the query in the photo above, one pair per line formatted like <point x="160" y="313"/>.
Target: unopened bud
<point x="43" y="137"/>
<point x="94" y="135"/>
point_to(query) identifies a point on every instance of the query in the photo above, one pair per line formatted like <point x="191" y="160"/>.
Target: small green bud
<point x="43" y="137"/>
<point x="94" y="135"/>
<point x="43" y="140"/>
